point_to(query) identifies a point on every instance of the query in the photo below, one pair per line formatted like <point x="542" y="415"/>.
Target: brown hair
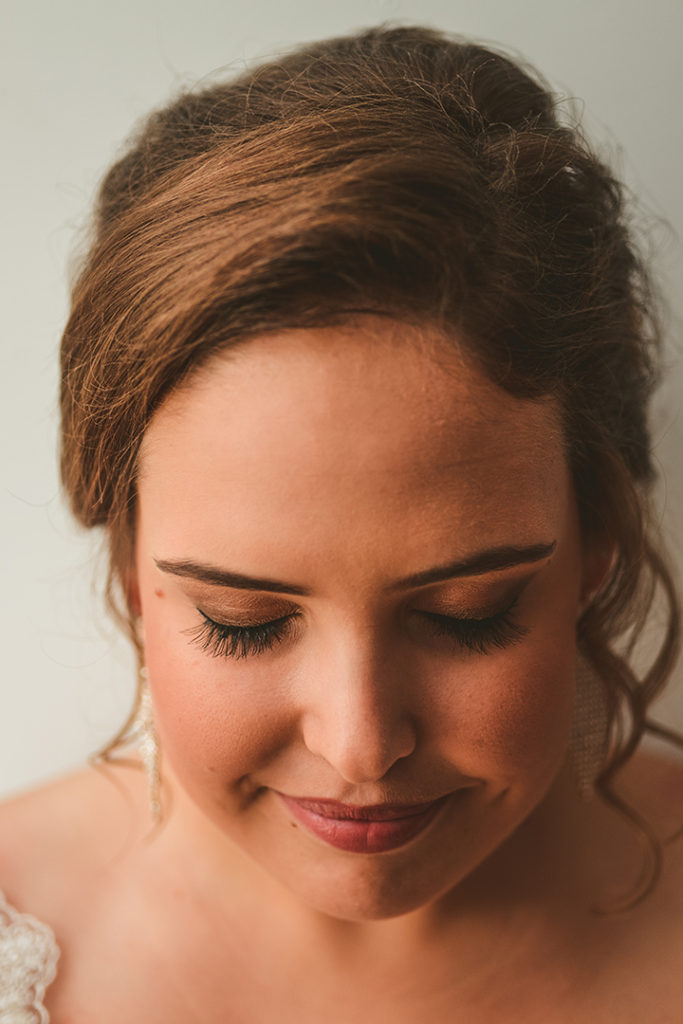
<point x="398" y="172"/>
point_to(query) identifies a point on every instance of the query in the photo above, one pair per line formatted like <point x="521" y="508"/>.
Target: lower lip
<point x="357" y="836"/>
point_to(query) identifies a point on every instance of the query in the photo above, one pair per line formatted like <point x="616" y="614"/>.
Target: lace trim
<point x="28" y="964"/>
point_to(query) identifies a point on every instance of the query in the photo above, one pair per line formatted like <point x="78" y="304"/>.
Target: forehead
<point x="367" y="429"/>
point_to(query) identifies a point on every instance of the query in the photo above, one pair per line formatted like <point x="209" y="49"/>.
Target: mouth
<point x="372" y="829"/>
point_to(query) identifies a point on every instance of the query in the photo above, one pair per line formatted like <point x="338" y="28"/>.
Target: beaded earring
<point x="143" y="733"/>
<point x="590" y="727"/>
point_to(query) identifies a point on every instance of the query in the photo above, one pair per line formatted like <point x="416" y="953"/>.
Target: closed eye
<point x="226" y="640"/>
<point x="481" y="636"/>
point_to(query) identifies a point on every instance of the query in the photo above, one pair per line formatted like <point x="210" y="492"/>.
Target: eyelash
<point x="479" y="636"/>
<point x="224" y="641"/>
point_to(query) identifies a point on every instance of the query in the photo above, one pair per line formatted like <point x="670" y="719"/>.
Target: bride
<point x="355" y="385"/>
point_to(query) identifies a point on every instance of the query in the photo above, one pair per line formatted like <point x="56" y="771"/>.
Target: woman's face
<point x="359" y="569"/>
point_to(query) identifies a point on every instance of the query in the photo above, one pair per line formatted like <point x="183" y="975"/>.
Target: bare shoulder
<point x="60" y="836"/>
<point x="654" y="784"/>
<point x="628" y="951"/>
<point x="649" y="938"/>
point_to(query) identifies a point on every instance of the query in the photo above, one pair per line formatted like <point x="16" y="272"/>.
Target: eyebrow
<point x="493" y="560"/>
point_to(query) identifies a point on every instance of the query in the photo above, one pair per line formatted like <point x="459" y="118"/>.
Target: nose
<point x="358" y="717"/>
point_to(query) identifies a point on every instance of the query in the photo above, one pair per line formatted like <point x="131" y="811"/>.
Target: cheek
<point x="513" y="719"/>
<point x="520" y="701"/>
<point x="216" y="722"/>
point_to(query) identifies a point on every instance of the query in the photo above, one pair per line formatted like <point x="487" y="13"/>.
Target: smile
<point x="373" y="829"/>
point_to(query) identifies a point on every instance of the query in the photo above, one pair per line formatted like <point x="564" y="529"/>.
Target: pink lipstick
<point x="372" y="829"/>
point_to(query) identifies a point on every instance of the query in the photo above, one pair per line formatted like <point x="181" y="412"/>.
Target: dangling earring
<point x="590" y="727"/>
<point x="143" y="733"/>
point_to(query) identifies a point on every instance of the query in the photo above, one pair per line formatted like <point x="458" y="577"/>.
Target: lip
<point x="376" y="828"/>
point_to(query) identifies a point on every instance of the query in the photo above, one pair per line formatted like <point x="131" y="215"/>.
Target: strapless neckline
<point x="28" y="964"/>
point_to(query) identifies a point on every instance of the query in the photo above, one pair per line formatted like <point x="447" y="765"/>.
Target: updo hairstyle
<point x="402" y="173"/>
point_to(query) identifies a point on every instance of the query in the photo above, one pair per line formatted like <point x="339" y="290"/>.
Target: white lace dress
<point x="28" y="963"/>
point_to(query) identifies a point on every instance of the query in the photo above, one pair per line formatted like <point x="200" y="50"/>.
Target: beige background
<point x="75" y="76"/>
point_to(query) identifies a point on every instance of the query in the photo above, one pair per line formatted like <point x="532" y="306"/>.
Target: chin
<point x="375" y="890"/>
<point x="365" y="904"/>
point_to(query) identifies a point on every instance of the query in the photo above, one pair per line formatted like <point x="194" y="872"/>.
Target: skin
<point x="341" y="462"/>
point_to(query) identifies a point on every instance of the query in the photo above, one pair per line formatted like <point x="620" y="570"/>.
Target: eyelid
<point x="246" y="616"/>
<point x="253" y="624"/>
<point x="480" y="612"/>
<point x="475" y="635"/>
<point x="491" y="610"/>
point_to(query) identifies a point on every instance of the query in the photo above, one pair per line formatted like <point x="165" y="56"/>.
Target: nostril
<point x="361" y="751"/>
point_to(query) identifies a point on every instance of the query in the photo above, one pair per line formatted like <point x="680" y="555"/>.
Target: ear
<point x="598" y="560"/>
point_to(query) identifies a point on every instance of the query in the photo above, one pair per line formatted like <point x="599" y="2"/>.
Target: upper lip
<point x="357" y="812"/>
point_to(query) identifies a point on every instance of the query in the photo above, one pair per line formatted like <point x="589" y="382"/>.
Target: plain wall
<point x="75" y="77"/>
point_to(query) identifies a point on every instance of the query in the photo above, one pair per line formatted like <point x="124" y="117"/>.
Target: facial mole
<point x="158" y="592"/>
